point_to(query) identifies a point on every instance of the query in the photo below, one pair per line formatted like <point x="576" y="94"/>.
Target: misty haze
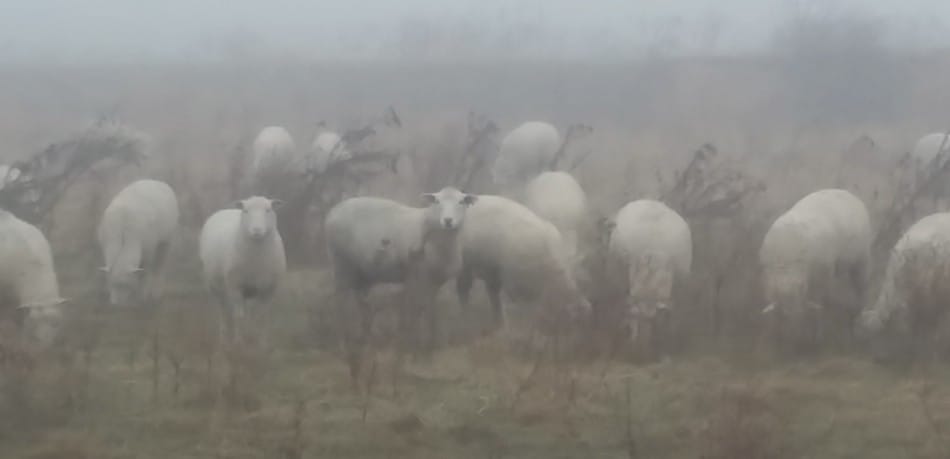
<point x="477" y="228"/>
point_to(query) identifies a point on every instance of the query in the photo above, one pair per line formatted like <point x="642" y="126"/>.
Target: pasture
<point x="718" y="396"/>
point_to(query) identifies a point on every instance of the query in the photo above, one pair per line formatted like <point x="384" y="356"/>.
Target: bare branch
<point x="45" y="176"/>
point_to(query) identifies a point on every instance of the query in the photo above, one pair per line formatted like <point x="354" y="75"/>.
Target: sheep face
<point x="258" y="219"/>
<point x="125" y="286"/>
<point x="650" y="291"/>
<point x="446" y="209"/>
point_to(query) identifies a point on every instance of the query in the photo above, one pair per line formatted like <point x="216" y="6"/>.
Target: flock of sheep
<point x="535" y="242"/>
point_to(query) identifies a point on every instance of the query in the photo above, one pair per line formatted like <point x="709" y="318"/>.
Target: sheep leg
<point x="432" y="316"/>
<point x="347" y="334"/>
<point x="463" y="286"/>
<point x="493" y="286"/>
<point x="156" y="279"/>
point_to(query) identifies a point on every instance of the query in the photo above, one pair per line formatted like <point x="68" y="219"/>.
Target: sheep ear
<point x="469" y="199"/>
<point x="768" y="309"/>
<point x="429" y="198"/>
<point x="239" y="205"/>
<point x="276" y="203"/>
<point x="138" y="271"/>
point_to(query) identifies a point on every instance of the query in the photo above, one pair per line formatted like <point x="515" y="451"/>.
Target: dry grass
<point x="714" y="399"/>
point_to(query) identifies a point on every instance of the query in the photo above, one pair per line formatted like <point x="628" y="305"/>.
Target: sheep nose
<point x="447" y="222"/>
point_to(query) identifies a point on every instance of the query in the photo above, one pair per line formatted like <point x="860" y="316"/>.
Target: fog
<point x="61" y="30"/>
<point x="549" y="330"/>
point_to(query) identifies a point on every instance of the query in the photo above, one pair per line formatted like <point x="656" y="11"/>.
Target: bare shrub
<point x="45" y="176"/>
<point x="717" y="197"/>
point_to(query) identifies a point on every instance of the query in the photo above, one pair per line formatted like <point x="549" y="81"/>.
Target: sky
<point x="74" y="30"/>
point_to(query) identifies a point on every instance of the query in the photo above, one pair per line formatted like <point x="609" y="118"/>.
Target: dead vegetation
<point x="90" y="403"/>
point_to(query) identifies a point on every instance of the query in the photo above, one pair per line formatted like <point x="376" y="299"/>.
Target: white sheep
<point x="28" y="279"/>
<point x="243" y="259"/>
<point x="525" y="152"/>
<point x="511" y="249"/>
<point x="375" y="241"/>
<point x="650" y="250"/>
<point x="812" y="254"/>
<point x="134" y="235"/>
<point x="558" y="198"/>
<point x="912" y="299"/>
<point x="274" y="157"/>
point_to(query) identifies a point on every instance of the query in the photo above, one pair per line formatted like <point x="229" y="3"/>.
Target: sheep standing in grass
<point x="374" y="241"/>
<point x="559" y="199"/>
<point x="650" y="250"/>
<point x="134" y="234"/>
<point x="911" y="305"/>
<point x="524" y="153"/>
<point x="274" y="157"/>
<point x="243" y="259"/>
<point x="511" y="249"/>
<point x="813" y="254"/>
<point x="28" y="280"/>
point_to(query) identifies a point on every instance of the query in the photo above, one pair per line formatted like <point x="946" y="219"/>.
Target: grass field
<point x="474" y="398"/>
<point x="719" y="398"/>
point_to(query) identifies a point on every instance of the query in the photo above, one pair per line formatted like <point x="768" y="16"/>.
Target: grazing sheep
<point x="813" y="253"/>
<point x="911" y="304"/>
<point x="373" y="241"/>
<point x="649" y="250"/>
<point x="511" y="249"/>
<point x="525" y="152"/>
<point x="559" y="199"/>
<point x="28" y="280"/>
<point x="275" y="156"/>
<point x="134" y="235"/>
<point x="243" y="258"/>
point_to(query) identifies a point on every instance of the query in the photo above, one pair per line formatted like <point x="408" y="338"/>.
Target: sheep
<point x="134" y="235"/>
<point x="274" y="157"/>
<point x="372" y="241"/>
<point x="559" y="199"/>
<point x="511" y="249"/>
<point x="28" y="280"/>
<point x="243" y="259"/>
<point x="649" y="251"/>
<point x="812" y="253"/>
<point x="524" y="153"/>
<point x="911" y="301"/>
